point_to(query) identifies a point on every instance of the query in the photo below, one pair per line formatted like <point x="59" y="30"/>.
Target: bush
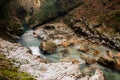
<point x="48" y="9"/>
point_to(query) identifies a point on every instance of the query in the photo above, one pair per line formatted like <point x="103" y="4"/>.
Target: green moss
<point x="9" y="72"/>
<point x="48" y="46"/>
<point x="48" y="9"/>
<point x="14" y="75"/>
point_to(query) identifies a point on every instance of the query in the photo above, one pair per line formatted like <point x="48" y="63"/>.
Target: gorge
<point x="61" y="40"/>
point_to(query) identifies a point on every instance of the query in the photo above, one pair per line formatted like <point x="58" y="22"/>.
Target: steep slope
<point x="28" y="13"/>
<point x="97" y="20"/>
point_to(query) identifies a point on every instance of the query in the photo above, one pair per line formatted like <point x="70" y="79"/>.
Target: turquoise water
<point x="28" y="40"/>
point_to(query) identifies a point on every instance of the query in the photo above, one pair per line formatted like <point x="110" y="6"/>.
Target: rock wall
<point x="17" y="13"/>
<point x="87" y="30"/>
<point x="98" y="21"/>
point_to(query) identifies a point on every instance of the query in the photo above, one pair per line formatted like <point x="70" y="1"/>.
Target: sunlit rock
<point x="117" y="55"/>
<point x="73" y="60"/>
<point x="48" y="47"/>
<point x="64" y="53"/>
<point x="109" y="53"/>
<point x="97" y="76"/>
<point x="62" y="72"/>
<point x="65" y="44"/>
<point x="57" y="41"/>
<point x="96" y="53"/>
<point x="84" y="78"/>
<point x="90" y="61"/>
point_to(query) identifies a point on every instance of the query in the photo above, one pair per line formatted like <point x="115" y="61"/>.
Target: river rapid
<point x="29" y="40"/>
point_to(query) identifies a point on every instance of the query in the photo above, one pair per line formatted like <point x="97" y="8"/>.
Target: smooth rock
<point x="64" y="52"/>
<point x="97" y="76"/>
<point x="109" y="53"/>
<point x="57" y="41"/>
<point x="48" y="47"/>
<point x="90" y="61"/>
<point x="117" y="54"/>
<point x="96" y="53"/>
<point x="84" y="78"/>
<point x="65" y="44"/>
<point x="64" y="71"/>
<point x="73" y="60"/>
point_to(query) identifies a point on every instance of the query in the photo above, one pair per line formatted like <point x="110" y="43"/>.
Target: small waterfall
<point x="36" y="51"/>
<point x="28" y="40"/>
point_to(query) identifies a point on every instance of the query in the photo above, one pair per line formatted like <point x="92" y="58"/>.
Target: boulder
<point x="117" y="66"/>
<point x="97" y="76"/>
<point x="84" y="49"/>
<point x="65" y="44"/>
<point x="48" y="47"/>
<point x="108" y="62"/>
<point x="64" y="52"/>
<point x="57" y="41"/>
<point x="90" y="61"/>
<point x="109" y="53"/>
<point x="117" y="55"/>
<point x="41" y="34"/>
<point x="73" y="41"/>
<point x="96" y="53"/>
<point x="113" y="63"/>
<point x="73" y="60"/>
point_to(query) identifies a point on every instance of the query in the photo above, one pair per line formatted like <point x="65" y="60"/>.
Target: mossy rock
<point x="9" y="72"/>
<point x="48" y="47"/>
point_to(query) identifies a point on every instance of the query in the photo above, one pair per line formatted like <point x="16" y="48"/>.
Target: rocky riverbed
<point x="55" y="52"/>
<point x="40" y="68"/>
<point x="73" y="58"/>
<point x="66" y="40"/>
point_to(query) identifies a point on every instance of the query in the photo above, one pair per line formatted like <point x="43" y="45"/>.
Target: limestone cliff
<point x="98" y="20"/>
<point x="17" y="13"/>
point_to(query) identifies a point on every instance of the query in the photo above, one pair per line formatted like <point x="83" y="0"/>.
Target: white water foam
<point x="36" y="51"/>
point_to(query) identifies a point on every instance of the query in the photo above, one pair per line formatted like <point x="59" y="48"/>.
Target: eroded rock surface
<point x="112" y="62"/>
<point x="29" y="13"/>
<point x="48" y="47"/>
<point x="22" y="58"/>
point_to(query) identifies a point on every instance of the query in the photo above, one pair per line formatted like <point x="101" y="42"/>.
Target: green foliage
<point x="8" y="72"/>
<point x="48" y="9"/>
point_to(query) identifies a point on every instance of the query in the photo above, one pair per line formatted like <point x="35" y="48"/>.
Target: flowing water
<point x="28" y="40"/>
